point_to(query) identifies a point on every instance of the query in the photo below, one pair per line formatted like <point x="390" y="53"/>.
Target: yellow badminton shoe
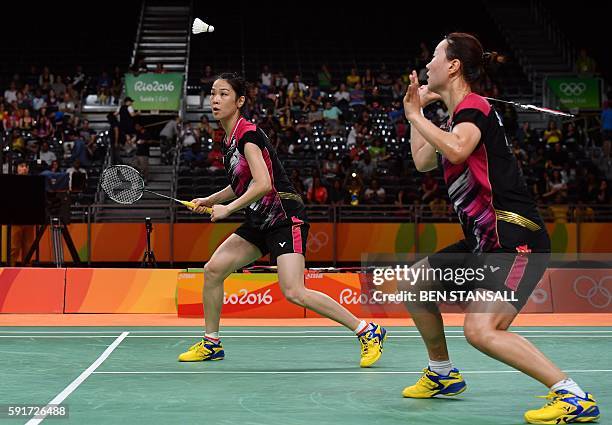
<point x="432" y="384"/>
<point x="564" y="408"/>
<point x="203" y="351"/>
<point x="371" y="344"/>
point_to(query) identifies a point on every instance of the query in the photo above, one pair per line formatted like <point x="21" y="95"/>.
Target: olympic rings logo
<point x="572" y="89"/>
<point x="539" y="296"/>
<point x="317" y="241"/>
<point x="595" y="288"/>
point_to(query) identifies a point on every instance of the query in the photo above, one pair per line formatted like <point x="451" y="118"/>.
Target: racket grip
<point x="192" y="206"/>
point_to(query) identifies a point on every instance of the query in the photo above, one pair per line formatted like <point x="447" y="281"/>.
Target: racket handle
<point x="192" y="206"/>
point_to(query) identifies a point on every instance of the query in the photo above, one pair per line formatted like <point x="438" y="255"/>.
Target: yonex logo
<point x="572" y="89"/>
<point x="282" y="244"/>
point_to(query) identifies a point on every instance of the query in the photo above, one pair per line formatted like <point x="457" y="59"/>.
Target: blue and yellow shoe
<point x="564" y="408"/>
<point x="371" y="344"/>
<point x="203" y="351"/>
<point x="432" y="384"/>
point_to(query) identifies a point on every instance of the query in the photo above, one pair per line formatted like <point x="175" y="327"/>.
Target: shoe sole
<point x="569" y="421"/>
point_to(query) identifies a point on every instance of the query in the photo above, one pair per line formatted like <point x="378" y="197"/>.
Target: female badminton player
<point x="275" y="223"/>
<point x="499" y="221"/>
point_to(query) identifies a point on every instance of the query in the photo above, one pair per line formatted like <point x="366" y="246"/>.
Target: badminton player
<point x="275" y="223"/>
<point x="498" y="217"/>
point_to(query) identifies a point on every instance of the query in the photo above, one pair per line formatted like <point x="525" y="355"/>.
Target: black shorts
<point x="513" y="272"/>
<point x="286" y="237"/>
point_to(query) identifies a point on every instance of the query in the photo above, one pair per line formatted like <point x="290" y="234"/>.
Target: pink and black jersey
<point x="488" y="190"/>
<point x="282" y="202"/>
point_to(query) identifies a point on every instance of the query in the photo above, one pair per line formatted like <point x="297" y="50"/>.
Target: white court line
<point x="319" y="372"/>
<point x="289" y="332"/>
<point x="58" y="399"/>
<point x="199" y="335"/>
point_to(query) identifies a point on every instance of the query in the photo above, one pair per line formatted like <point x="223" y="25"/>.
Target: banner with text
<point x="161" y="92"/>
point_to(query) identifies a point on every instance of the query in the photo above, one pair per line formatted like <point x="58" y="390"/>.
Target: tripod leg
<point x="70" y="244"/>
<point x="39" y="234"/>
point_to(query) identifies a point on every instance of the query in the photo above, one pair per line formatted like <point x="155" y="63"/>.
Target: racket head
<point x="122" y="183"/>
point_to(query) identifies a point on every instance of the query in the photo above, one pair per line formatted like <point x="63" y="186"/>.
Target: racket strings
<point x="122" y="184"/>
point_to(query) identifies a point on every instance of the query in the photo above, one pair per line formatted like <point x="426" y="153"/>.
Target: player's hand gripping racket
<point x="124" y="184"/>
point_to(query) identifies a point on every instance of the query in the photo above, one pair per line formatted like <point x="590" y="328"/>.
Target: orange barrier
<point x="121" y="291"/>
<point x="195" y="242"/>
<point x="35" y="290"/>
<point x="246" y="295"/>
<point x="26" y="290"/>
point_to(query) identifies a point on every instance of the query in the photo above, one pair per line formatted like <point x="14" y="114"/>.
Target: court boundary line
<point x="58" y="399"/>
<point x="339" y="331"/>
<point x="321" y="372"/>
<point x="199" y="335"/>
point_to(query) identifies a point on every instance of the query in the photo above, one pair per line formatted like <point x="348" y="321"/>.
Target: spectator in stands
<point x="558" y="156"/>
<point x="22" y="236"/>
<point x="215" y="159"/>
<point x="384" y="81"/>
<point x="369" y="80"/>
<point x="337" y="194"/>
<point x="193" y="156"/>
<point x="115" y="138"/>
<point x="46" y="155"/>
<point x="584" y="63"/>
<point x="77" y="177"/>
<point x="354" y="186"/>
<point x="280" y="81"/>
<point x="27" y="122"/>
<point x="552" y="134"/>
<point x="325" y="79"/>
<point x="142" y="151"/>
<point x="296" y="86"/>
<point x="342" y="96"/>
<point x="331" y="115"/>
<point x="266" y="78"/>
<point x="315" y="115"/>
<point x="67" y="105"/>
<point x="331" y="166"/>
<point x="603" y="194"/>
<point x="519" y="153"/>
<point x="127" y="116"/>
<point x="317" y="194"/>
<point x="374" y="194"/>
<point x="204" y="128"/>
<point x="429" y="188"/>
<point x="357" y="96"/>
<point x="10" y="94"/>
<point x="558" y="211"/>
<point x="52" y="101"/>
<point x="39" y="101"/>
<point x="45" y="79"/>
<point x="58" y="85"/>
<point x="168" y="136"/>
<point x="206" y="81"/>
<point x="438" y="207"/>
<point x="378" y="152"/>
<point x="525" y="134"/>
<point x="353" y="78"/>
<point x="367" y="168"/>
<point x="555" y="187"/>
<point x="78" y="79"/>
<point x="604" y="161"/>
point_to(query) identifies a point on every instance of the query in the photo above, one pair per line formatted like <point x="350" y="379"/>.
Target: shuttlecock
<point x="201" y="26"/>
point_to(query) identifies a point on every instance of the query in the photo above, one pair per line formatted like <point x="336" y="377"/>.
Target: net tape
<point x="123" y="184"/>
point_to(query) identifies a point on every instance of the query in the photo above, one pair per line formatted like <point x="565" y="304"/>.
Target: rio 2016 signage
<point x="160" y="92"/>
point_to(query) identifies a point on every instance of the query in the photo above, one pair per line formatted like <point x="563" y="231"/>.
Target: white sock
<point x="569" y="385"/>
<point x="213" y="336"/>
<point x="362" y="327"/>
<point x="441" y="368"/>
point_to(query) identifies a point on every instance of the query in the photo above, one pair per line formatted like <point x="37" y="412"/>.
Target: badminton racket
<point x="125" y="185"/>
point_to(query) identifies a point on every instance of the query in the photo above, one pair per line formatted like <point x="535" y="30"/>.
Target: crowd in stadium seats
<point x="344" y="140"/>
<point x="40" y="124"/>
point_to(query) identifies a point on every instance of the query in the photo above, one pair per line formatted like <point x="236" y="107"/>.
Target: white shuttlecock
<point x="201" y="26"/>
